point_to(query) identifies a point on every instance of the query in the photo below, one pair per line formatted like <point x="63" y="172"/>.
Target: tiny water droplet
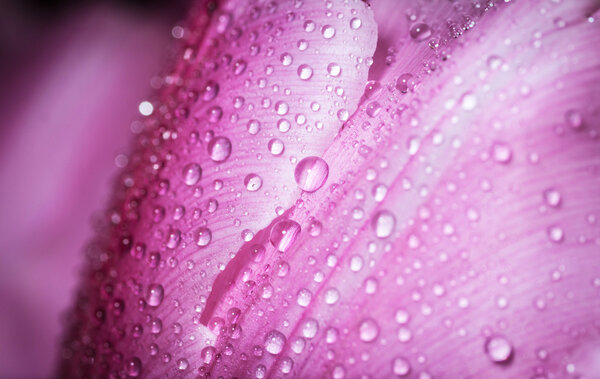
<point x="253" y="182"/>
<point x="498" y="349"/>
<point x="384" y="224"/>
<point x="368" y="330"/>
<point x="305" y="72"/>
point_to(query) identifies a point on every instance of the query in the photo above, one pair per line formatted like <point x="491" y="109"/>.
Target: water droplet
<point x="276" y="146"/>
<point x="239" y="67"/>
<point x="332" y="296"/>
<point x="155" y="295"/>
<point x="501" y="152"/>
<point x="133" y="367"/>
<point x="384" y="224"/>
<point x="334" y="69"/>
<point x="552" y="197"/>
<point x="574" y="119"/>
<point x="498" y="349"/>
<point x="328" y="31"/>
<point x="311" y="173"/>
<point x="219" y="149"/>
<point x="310" y="328"/>
<point x="355" y="23"/>
<point x="368" y="330"/>
<point x="401" y="366"/>
<point x="253" y="182"/>
<point x="305" y="72"/>
<point x="182" y="364"/>
<point x="304" y="297"/>
<point x="253" y="127"/>
<point x="203" y="236"/>
<point x="556" y="234"/>
<point x="283" y="234"/>
<point x="420" y="32"/>
<point x="274" y="342"/>
<point x="192" y="173"/>
<point x="282" y="108"/>
<point x="469" y="101"/>
<point x="405" y="83"/>
<point x="286" y="59"/>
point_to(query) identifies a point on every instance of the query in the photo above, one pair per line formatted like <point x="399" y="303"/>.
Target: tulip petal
<point x="459" y="234"/>
<point x="260" y="89"/>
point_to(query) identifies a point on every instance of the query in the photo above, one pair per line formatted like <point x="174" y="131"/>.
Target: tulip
<point x="343" y="189"/>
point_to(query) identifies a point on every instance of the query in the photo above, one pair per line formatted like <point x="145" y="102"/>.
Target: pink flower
<point x="282" y="216"/>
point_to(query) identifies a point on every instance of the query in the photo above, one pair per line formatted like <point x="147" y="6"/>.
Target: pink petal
<point x="208" y="174"/>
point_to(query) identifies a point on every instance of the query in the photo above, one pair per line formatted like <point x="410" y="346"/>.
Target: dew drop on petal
<point x="274" y="342"/>
<point x="334" y="69"/>
<point x="368" y="330"/>
<point x="253" y="182"/>
<point x="501" y="152"/>
<point x="420" y="32"/>
<point x="305" y="72"/>
<point x="401" y="366"/>
<point x="203" y="236"/>
<point x="574" y="119"/>
<point x="355" y="23"/>
<point x="192" y="173"/>
<point x="276" y="146"/>
<point x="328" y="31"/>
<point x="253" y="127"/>
<point x="133" y="367"/>
<point x="498" y="349"/>
<point x="405" y="83"/>
<point x="552" y="197"/>
<point x="311" y="173"/>
<point x="555" y="234"/>
<point x="384" y="224"/>
<point x="155" y="295"/>
<point x="286" y="59"/>
<point x="219" y="149"/>
<point x="283" y="234"/>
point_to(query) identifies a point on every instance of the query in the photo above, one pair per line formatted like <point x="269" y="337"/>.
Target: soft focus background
<point x="72" y="74"/>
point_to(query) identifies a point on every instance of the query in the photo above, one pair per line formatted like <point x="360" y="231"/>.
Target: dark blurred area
<point x="72" y="75"/>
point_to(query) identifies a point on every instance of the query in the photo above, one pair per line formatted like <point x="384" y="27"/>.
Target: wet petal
<point x="447" y="225"/>
<point x="257" y="95"/>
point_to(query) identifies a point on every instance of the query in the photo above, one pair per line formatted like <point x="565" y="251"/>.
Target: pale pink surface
<point x="58" y="153"/>
<point x="463" y="210"/>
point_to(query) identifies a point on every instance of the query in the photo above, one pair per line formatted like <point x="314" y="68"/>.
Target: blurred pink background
<point x="72" y="79"/>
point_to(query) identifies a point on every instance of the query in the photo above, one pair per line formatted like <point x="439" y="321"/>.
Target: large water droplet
<point x="501" y="152"/>
<point x="219" y="149"/>
<point x="311" y="173"/>
<point x="283" y="234"/>
<point x="276" y="146"/>
<point x="328" y="31"/>
<point x="274" y="342"/>
<point x="384" y="224"/>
